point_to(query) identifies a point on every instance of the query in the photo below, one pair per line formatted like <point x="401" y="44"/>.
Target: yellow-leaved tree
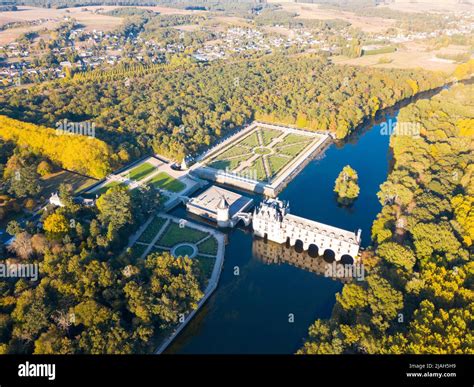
<point x="56" y="224"/>
<point x="78" y="153"/>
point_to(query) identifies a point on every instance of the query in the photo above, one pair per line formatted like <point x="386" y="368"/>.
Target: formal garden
<point x="262" y="153"/>
<point x="180" y="238"/>
<point x="146" y="173"/>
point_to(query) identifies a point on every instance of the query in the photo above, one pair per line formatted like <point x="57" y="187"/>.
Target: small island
<point x="347" y="187"/>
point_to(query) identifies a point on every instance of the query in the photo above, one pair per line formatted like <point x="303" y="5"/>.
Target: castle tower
<point x="223" y="216"/>
<point x="184" y="164"/>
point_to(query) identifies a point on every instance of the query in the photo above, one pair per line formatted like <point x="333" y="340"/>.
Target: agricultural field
<point x="51" y="183"/>
<point x="316" y="12"/>
<point x="262" y="153"/>
<point x="52" y="18"/>
<point x="410" y="55"/>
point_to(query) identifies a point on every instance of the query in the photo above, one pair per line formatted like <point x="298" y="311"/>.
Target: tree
<point x="66" y="196"/>
<point x="53" y="342"/>
<point x="400" y="256"/>
<point x="173" y="289"/>
<point x="346" y="186"/>
<point x="44" y="168"/>
<point x="56" y="224"/>
<point x="115" y="207"/>
<point x="14" y="228"/>
<point x="78" y="153"/>
<point x="39" y="243"/>
<point x="25" y="182"/>
<point x="30" y="314"/>
<point x="22" y="246"/>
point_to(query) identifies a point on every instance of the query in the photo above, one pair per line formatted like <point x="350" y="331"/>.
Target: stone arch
<point x="329" y="255"/>
<point x="347" y="259"/>
<point x="240" y="222"/>
<point x="313" y="250"/>
<point x="299" y="246"/>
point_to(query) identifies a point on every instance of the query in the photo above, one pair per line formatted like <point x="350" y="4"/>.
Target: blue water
<point x="251" y="312"/>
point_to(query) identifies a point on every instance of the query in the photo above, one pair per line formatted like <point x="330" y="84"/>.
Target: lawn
<point x="163" y="199"/>
<point x="294" y="138"/>
<point x="166" y="182"/>
<point x="137" y="250"/>
<point x="257" y="144"/>
<point x="292" y="150"/>
<point x="205" y="265"/>
<point x="104" y="188"/>
<point x="269" y="134"/>
<point x="175" y="234"/>
<point x="235" y="150"/>
<point x="229" y="164"/>
<point x="209" y="246"/>
<point x="152" y="230"/>
<point x="257" y="169"/>
<point x="184" y="251"/>
<point x="251" y="140"/>
<point x="142" y="171"/>
<point x="276" y="163"/>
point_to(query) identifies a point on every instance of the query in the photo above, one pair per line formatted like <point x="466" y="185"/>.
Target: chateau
<point x="272" y="220"/>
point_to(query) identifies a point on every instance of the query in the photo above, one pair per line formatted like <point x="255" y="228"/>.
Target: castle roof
<point x="223" y="203"/>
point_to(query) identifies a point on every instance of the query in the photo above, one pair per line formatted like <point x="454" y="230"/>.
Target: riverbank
<point x="211" y="286"/>
<point x="249" y="313"/>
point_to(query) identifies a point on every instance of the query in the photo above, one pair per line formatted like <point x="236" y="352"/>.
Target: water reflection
<point x="272" y="253"/>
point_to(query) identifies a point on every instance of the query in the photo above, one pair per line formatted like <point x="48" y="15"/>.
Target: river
<point x="262" y="307"/>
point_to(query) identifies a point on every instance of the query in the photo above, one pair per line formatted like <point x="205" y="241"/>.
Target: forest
<point x="417" y="297"/>
<point x="233" y="6"/>
<point x="81" y="154"/>
<point x="183" y="109"/>
<point x="93" y="295"/>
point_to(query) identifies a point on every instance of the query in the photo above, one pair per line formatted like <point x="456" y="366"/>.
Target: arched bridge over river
<point x="272" y="220"/>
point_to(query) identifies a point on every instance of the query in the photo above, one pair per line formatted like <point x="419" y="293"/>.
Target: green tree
<point x="14" y="228"/>
<point x="25" y="182"/>
<point x="115" y="207"/>
<point x="346" y="186"/>
<point x="400" y="256"/>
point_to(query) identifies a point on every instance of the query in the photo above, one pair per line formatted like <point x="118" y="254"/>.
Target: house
<point x="55" y="200"/>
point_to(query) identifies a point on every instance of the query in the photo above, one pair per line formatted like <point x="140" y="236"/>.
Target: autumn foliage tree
<point x="418" y="296"/>
<point x="75" y="152"/>
<point x="346" y="185"/>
